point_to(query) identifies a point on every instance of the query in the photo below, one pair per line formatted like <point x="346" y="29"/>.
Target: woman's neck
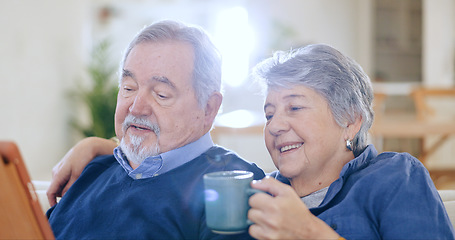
<point x="311" y="181"/>
<point x="304" y="186"/>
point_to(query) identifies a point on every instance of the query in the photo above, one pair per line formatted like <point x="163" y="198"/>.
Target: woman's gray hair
<point x="336" y="77"/>
<point x="207" y="58"/>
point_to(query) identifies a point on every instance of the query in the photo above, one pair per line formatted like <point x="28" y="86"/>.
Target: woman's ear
<point x="353" y="128"/>
<point x="211" y="108"/>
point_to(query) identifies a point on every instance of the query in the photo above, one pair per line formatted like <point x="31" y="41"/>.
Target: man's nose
<point x="142" y="105"/>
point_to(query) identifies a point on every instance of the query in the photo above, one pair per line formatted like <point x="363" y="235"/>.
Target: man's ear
<point x="211" y="108"/>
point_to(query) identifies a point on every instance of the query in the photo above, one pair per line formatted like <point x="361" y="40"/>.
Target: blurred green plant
<point x="100" y="98"/>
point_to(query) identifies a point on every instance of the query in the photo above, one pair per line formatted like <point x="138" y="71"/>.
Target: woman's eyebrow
<point x="291" y="96"/>
<point x="267" y="105"/>
<point x="287" y="97"/>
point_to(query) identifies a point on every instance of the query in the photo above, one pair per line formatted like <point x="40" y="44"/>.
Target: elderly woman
<point x="330" y="183"/>
<point x="319" y="109"/>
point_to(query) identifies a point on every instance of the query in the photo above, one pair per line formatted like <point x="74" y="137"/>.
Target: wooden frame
<point x="420" y="94"/>
<point x="21" y="216"/>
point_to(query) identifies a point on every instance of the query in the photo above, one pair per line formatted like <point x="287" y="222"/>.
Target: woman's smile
<point x="290" y="147"/>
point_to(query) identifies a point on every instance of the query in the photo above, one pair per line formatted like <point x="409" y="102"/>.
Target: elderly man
<point x="151" y="188"/>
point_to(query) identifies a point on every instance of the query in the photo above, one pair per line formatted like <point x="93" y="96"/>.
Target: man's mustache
<point x="133" y="120"/>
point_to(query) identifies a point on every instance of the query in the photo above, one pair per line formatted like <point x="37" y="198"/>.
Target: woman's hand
<point x="70" y="167"/>
<point x="283" y="215"/>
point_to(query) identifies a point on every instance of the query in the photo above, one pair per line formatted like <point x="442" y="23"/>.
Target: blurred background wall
<point x="46" y="46"/>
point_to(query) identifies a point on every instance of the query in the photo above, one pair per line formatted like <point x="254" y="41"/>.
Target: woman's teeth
<point x="289" y="147"/>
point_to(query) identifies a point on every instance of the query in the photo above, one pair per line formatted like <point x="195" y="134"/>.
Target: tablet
<point x="21" y="216"/>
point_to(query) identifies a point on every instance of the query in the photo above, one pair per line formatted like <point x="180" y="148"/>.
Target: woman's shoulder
<point x="369" y="164"/>
<point x="390" y="175"/>
<point x="395" y="168"/>
<point x="400" y="160"/>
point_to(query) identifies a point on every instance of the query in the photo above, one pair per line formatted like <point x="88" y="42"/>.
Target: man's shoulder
<point x="217" y="151"/>
<point x="100" y="163"/>
<point x="224" y="155"/>
<point x="106" y="160"/>
<point x="225" y="160"/>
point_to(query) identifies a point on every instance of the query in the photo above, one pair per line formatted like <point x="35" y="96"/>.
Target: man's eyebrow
<point x="127" y="73"/>
<point x="164" y="80"/>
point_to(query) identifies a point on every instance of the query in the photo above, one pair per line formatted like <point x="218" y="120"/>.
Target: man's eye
<point x="268" y="116"/>
<point x="162" y="96"/>
<point x="127" y="91"/>
<point x="294" y="108"/>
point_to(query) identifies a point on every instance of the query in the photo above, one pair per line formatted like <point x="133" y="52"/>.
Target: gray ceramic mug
<point x="226" y="201"/>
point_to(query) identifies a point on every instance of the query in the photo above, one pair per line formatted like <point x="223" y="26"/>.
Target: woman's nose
<point x="277" y="125"/>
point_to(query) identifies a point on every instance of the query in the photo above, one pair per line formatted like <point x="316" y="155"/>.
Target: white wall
<point x="438" y="69"/>
<point x="342" y="24"/>
<point x="438" y="43"/>
<point x="41" y="52"/>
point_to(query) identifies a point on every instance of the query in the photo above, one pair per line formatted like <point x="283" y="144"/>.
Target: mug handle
<point x="251" y="191"/>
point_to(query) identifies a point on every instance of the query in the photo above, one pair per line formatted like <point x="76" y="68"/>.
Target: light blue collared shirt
<point x="164" y="162"/>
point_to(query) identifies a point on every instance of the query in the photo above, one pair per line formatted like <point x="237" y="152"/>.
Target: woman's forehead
<point x="284" y="95"/>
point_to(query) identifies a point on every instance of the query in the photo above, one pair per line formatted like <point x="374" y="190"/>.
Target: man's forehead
<point x="160" y="79"/>
<point x="155" y="65"/>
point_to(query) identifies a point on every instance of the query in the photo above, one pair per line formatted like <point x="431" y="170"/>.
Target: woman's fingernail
<point x="256" y="181"/>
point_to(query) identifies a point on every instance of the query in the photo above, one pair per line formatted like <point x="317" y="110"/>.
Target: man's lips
<point x="288" y="147"/>
<point x="139" y="127"/>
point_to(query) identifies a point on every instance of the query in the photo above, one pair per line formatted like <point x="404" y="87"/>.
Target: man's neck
<point x="133" y="165"/>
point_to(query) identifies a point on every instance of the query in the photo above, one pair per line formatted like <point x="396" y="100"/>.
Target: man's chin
<point x="139" y="139"/>
<point x="138" y="148"/>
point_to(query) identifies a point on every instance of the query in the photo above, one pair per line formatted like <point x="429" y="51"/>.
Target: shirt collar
<point x="164" y="162"/>
<point x="361" y="161"/>
<point x="354" y="165"/>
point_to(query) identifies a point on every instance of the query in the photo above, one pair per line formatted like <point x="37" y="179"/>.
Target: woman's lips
<point x="290" y="147"/>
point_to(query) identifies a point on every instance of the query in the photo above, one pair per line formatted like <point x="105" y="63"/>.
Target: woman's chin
<point x="288" y="171"/>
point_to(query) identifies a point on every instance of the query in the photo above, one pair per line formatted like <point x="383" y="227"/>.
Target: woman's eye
<point x="295" y="108"/>
<point x="268" y="116"/>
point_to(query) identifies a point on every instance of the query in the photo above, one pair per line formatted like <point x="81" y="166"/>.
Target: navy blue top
<point x="386" y="196"/>
<point x="105" y="203"/>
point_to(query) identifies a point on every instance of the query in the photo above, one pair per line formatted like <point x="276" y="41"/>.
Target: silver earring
<point x="349" y="144"/>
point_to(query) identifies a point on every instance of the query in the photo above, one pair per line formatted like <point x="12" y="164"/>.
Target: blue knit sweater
<point x="105" y="203"/>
